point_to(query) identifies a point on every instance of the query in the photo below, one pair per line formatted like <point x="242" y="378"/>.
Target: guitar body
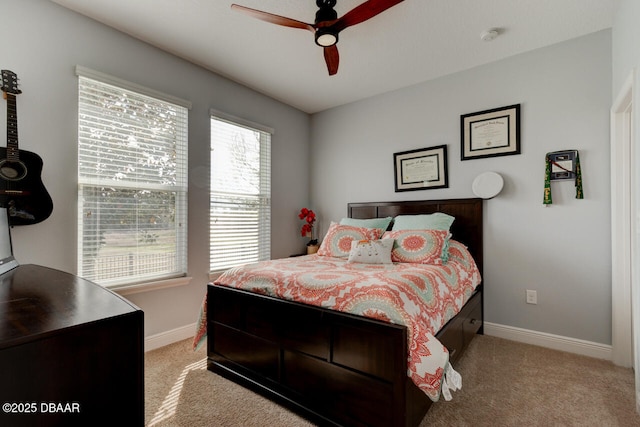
<point x="21" y="189"/>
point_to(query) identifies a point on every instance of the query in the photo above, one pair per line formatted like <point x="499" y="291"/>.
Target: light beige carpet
<point x="504" y="384"/>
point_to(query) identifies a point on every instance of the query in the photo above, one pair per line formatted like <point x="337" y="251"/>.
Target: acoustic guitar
<point x="21" y="189"/>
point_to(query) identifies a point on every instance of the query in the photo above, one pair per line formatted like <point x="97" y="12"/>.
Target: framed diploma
<point x="421" y="169"/>
<point x="490" y="133"/>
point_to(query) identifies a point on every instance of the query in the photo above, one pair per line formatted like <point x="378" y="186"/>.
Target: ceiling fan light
<point x="326" y="38"/>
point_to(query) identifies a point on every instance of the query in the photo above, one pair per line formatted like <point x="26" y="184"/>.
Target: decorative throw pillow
<point x="381" y="223"/>
<point x="434" y="221"/>
<point x="337" y="241"/>
<point x="418" y="246"/>
<point x="371" y="251"/>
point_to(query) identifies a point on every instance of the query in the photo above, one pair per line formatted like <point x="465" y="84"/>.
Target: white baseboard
<point x="169" y="337"/>
<point x="556" y="342"/>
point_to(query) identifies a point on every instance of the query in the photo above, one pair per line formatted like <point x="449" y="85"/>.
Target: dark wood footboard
<point x="333" y="367"/>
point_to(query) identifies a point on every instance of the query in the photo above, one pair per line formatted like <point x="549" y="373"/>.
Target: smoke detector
<point x="489" y="34"/>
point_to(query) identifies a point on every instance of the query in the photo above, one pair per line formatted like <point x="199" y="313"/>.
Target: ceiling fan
<point x="327" y="25"/>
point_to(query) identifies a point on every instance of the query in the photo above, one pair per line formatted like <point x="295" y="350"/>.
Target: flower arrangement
<point x="309" y="217"/>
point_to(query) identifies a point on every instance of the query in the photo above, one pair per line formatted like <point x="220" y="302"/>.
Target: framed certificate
<point x="490" y="133"/>
<point x="421" y="169"/>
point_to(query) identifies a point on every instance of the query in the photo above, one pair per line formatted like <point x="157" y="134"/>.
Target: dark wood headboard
<point x="467" y="227"/>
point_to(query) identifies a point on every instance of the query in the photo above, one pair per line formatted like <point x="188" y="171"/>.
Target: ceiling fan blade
<point x="274" y="19"/>
<point x="366" y="10"/>
<point x="332" y="58"/>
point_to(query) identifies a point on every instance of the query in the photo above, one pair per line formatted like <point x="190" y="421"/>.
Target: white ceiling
<point x="414" y="41"/>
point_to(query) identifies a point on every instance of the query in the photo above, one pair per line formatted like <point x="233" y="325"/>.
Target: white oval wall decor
<point x="487" y="185"/>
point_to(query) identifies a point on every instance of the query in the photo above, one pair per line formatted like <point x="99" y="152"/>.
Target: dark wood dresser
<point x="71" y="352"/>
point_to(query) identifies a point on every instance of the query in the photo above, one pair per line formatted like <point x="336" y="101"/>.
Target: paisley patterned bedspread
<point x="419" y="296"/>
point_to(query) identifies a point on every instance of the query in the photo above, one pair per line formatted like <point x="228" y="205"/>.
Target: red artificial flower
<point x="306" y="229"/>
<point x="310" y="217"/>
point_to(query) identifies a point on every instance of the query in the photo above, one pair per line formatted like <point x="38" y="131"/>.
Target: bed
<point x="333" y="367"/>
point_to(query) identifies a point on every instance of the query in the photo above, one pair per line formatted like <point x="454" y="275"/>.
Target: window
<point x="132" y="183"/>
<point x="240" y="212"/>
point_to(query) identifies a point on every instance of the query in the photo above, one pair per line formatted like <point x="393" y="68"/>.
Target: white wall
<point x="42" y="43"/>
<point x="626" y="60"/>
<point x="562" y="251"/>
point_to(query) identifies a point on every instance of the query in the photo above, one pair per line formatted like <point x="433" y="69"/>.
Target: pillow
<point x="418" y="246"/>
<point x="381" y="223"/>
<point x="337" y="241"/>
<point x="371" y="251"/>
<point x="434" y="221"/>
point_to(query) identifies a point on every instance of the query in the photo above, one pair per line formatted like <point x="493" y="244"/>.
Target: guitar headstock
<point x="10" y="82"/>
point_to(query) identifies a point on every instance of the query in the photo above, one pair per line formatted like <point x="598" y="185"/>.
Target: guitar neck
<point x="12" y="128"/>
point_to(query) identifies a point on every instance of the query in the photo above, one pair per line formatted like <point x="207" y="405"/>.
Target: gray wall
<point x="626" y="39"/>
<point x="42" y="43"/>
<point x="562" y="251"/>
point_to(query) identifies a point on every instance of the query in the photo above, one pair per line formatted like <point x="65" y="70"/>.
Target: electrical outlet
<point x="532" y="297"/>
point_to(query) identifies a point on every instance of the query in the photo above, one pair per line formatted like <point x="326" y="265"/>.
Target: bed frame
<point x="336" y="368"/>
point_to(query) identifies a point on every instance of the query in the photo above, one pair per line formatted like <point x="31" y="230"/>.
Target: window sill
<point x="152" y="286"/>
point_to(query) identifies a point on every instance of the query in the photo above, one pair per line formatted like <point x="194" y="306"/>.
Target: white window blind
<point x="240" y="209"/>
<point x="132" y="193"/>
